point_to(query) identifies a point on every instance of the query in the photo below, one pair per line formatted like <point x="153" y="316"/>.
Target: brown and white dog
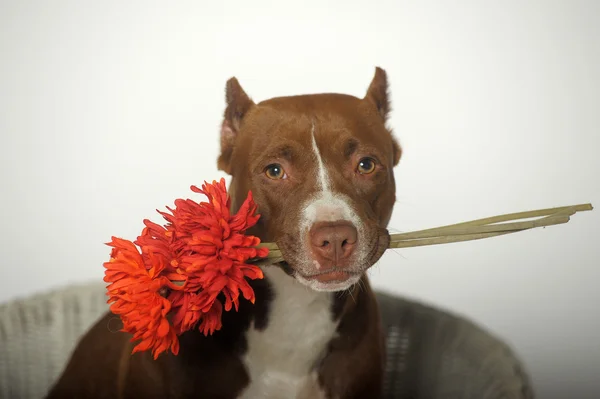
<point x="321" y="170"/>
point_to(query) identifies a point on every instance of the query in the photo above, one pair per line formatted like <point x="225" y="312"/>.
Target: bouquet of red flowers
<point x="169" y="280"/>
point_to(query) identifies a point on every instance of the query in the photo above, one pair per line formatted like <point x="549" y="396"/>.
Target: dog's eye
<point x="275" y="172"/>
<point x="366" y="166"/>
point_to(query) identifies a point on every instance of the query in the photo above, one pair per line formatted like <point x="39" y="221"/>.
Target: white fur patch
<point x="329" y="287"/>
<point x="323" y="178"/>
<point x="327" y="206"/>
<point x="280" y="359"/>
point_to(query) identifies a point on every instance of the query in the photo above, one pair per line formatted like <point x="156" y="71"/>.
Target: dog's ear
<point x="238" y="104"/>
<point x="377" y="93"/>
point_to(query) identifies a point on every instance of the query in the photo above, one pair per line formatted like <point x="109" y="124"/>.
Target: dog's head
<point x="320" y="168"/>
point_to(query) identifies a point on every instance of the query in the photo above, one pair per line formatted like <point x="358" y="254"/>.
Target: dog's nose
<point x="333" y="241"/>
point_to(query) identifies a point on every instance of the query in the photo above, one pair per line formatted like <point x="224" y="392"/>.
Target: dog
<point x="320" y="167"/>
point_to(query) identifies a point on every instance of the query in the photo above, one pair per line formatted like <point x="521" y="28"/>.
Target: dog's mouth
<point x="330" y="276"/>
<point x="335" y="274"/>
<point x="333" y="279"/>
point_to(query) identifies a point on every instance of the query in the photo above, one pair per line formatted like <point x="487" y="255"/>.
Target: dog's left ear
<point x="238" y="104"/>
<point x="377" y="93"/>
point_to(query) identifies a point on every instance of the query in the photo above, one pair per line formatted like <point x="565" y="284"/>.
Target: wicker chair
<point x="431" y="354"/>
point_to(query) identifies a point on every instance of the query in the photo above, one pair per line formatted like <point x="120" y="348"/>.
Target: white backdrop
<point x="109" y="110"/>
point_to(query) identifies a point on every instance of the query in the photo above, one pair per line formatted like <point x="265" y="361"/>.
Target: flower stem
<point x="466" y="231"/>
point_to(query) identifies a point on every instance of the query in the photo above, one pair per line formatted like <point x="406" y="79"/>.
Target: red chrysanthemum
<point x="182" y="269"/>
<point x="135" y="295"/>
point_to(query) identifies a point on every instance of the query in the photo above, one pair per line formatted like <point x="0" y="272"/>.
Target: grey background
<point x="109" y="110"/>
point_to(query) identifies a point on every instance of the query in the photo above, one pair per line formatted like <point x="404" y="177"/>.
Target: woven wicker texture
<point x="431" y="354"/>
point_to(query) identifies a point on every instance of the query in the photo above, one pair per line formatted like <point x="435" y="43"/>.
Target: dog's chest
<point x="281" y="358"/>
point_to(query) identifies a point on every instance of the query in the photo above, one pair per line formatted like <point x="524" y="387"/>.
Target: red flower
<point x="200" y="253"/>
<point x="134" y="292"/>
<point x="190" y="309"/>
<point x="159" y="241"/>
<point x="214" y="253"/>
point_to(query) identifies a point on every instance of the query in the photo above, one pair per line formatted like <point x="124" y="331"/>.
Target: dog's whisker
<point x="350" y="292"/>
<point x="394" y="230"/>
<point x="397" y="251"/>
<point x="361" y="285"/>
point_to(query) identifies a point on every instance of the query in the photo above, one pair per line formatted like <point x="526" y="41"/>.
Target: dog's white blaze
<point x="280" y="359"/>
<point x="323" y="178"/>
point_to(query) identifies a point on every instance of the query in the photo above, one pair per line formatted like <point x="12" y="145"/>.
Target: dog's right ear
<point x="378" y="93"/>
<point x="238" y="104"/>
